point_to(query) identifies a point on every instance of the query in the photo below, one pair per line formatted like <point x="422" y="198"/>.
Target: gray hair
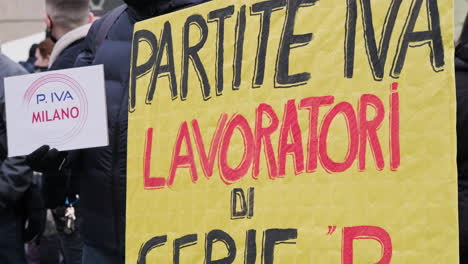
<point x="68" y="14"/>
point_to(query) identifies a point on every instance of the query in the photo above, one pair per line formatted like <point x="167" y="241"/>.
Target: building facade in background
<point x="20" y="18"/>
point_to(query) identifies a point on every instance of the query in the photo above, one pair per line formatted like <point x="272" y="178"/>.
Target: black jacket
<point x="103" y="170"/>
<point x="15" y="175"/>
<point x="461" y="71"/>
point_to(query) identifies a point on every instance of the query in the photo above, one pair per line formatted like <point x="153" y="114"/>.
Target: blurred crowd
<point x="69" y="207"/>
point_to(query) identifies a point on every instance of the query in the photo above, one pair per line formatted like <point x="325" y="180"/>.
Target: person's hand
<point x="45" y="159"/>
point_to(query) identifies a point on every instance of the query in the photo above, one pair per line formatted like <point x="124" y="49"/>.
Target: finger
<point x="53" y="153"/>
<point x="41" y="151"/>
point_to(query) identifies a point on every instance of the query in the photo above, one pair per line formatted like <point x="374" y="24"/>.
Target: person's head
<point x="42" y="53"/>
<point x="63" y="16"/>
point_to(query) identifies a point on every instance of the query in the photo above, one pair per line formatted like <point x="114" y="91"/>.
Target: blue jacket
<point x="67" y="57"/>
<point x="103" y="170"/>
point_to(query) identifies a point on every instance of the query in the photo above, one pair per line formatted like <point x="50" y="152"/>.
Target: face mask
<point x="48" y="31"/>
<point x="49" y="35"/>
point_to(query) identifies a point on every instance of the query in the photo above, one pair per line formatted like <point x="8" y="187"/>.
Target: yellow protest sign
<point x="293" y="131"/>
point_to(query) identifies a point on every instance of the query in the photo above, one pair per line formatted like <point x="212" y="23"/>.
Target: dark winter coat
<point x="103" y="170"/>
<point x="67" y="49"/>
<point x="68" y="56"/>
<point x="461" y="71"/>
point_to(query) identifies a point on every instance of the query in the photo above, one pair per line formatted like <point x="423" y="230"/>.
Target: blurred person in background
<point x="42" y="53"/>
<point x="20" y="201"/>
<point x="68" y="23"/>
<point x="29" y="63"/>
<point x="102" y="171"/>
<point x="461" y="77"/>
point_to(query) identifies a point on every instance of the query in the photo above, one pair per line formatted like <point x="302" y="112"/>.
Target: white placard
<point x="64" y="109"/>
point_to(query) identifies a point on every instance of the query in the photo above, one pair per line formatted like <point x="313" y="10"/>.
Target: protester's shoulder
<point x="67" y="57"/>
<point x="94" y="28"/>
<point x="123" y="19"/>
<point x="123" y="24"/>
<point x="10" y="68"/>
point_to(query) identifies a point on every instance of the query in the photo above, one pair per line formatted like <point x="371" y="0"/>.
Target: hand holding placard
<point x="63" y="109"/>
<point x="45" y="159"/>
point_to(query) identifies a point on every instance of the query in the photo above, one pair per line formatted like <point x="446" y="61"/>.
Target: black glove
<point x="45" y="159"/>
<point x="34" y="213"/>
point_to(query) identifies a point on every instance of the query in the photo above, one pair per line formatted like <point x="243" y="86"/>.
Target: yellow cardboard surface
<point x="411" y="202"/>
